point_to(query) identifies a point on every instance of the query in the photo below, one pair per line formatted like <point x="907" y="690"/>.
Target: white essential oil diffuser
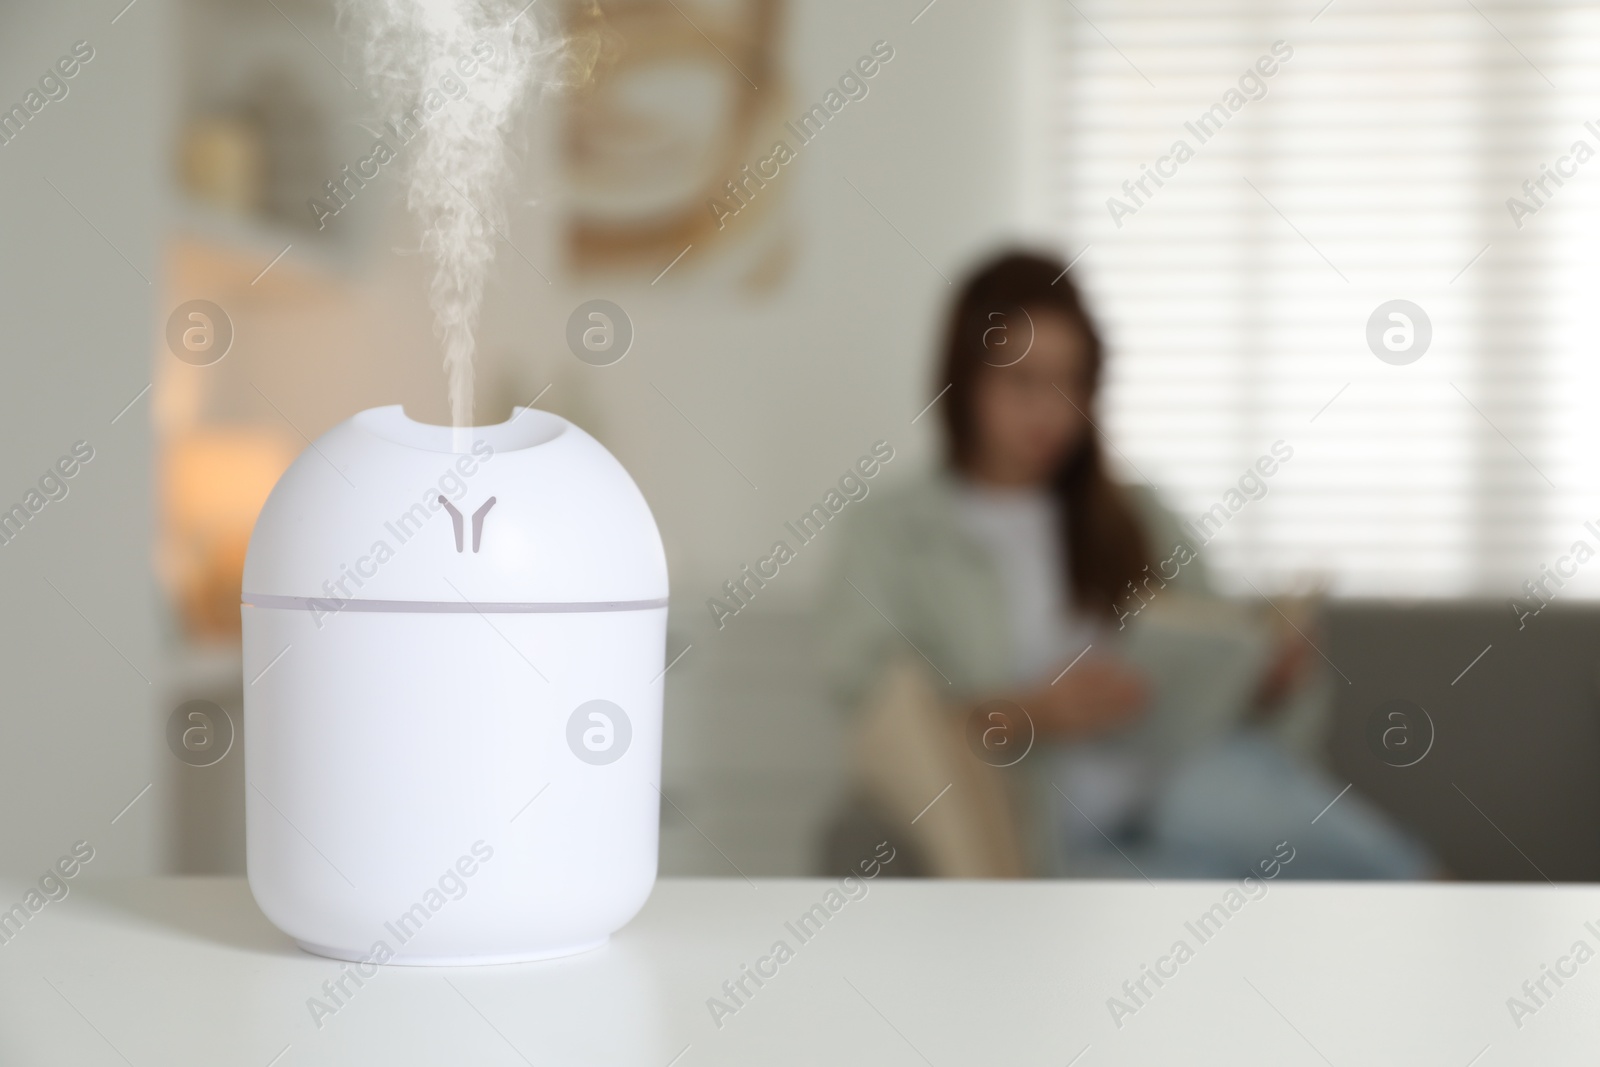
<point x="453" y="650"/>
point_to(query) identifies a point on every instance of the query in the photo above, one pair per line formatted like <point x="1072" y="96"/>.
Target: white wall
<point x="81" y="726"/>
<point x="795" y="386"/>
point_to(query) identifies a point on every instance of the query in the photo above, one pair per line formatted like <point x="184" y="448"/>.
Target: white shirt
<point x="1019" y="529"/>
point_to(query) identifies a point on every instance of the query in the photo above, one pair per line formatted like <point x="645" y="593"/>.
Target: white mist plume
<point x="418" y="54"/>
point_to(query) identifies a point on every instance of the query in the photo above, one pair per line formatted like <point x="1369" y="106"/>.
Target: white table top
<point x="179" y="972"/>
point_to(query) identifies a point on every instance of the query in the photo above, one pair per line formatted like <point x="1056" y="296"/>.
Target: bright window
<point x="1373" y="164"/>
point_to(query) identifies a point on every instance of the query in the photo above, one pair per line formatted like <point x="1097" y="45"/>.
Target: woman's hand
<point x="1297" y="626"/>
<point x="1285" y="671"/>
<point x="1094" y="697"/>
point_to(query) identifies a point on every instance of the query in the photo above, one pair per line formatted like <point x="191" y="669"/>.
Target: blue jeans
<point x="1227" y="808"/>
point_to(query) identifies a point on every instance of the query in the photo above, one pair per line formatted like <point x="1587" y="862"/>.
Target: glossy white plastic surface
<point x="453" y="739"/>
<point x="358" y="515"/>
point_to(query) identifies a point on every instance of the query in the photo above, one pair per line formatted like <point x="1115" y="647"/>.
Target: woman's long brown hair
<point x="1102" y="540"/>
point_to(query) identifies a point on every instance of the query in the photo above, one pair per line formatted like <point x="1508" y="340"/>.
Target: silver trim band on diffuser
<point x="331" y="604"/>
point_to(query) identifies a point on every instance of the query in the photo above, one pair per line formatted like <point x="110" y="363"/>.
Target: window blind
<point x="1398" y="150"/>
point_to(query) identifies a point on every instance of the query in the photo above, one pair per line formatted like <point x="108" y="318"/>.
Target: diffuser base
<point x="483" y="960"/>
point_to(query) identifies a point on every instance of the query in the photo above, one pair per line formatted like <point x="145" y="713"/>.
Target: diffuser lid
<point x="396" y="514"/>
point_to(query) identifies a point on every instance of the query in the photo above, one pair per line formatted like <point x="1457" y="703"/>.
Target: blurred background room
<point x="1376" y="249"/>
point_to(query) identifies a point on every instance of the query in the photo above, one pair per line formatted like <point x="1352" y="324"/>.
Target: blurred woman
<point x="1006" y="577"/>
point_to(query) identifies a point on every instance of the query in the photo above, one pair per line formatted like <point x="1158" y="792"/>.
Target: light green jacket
<point x="910" y="577"/>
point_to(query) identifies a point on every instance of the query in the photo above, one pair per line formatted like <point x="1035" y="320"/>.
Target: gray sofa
<point x="1510" y="789"/>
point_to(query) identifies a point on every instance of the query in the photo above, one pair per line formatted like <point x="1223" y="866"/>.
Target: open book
<point x="1203" y="659"/>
